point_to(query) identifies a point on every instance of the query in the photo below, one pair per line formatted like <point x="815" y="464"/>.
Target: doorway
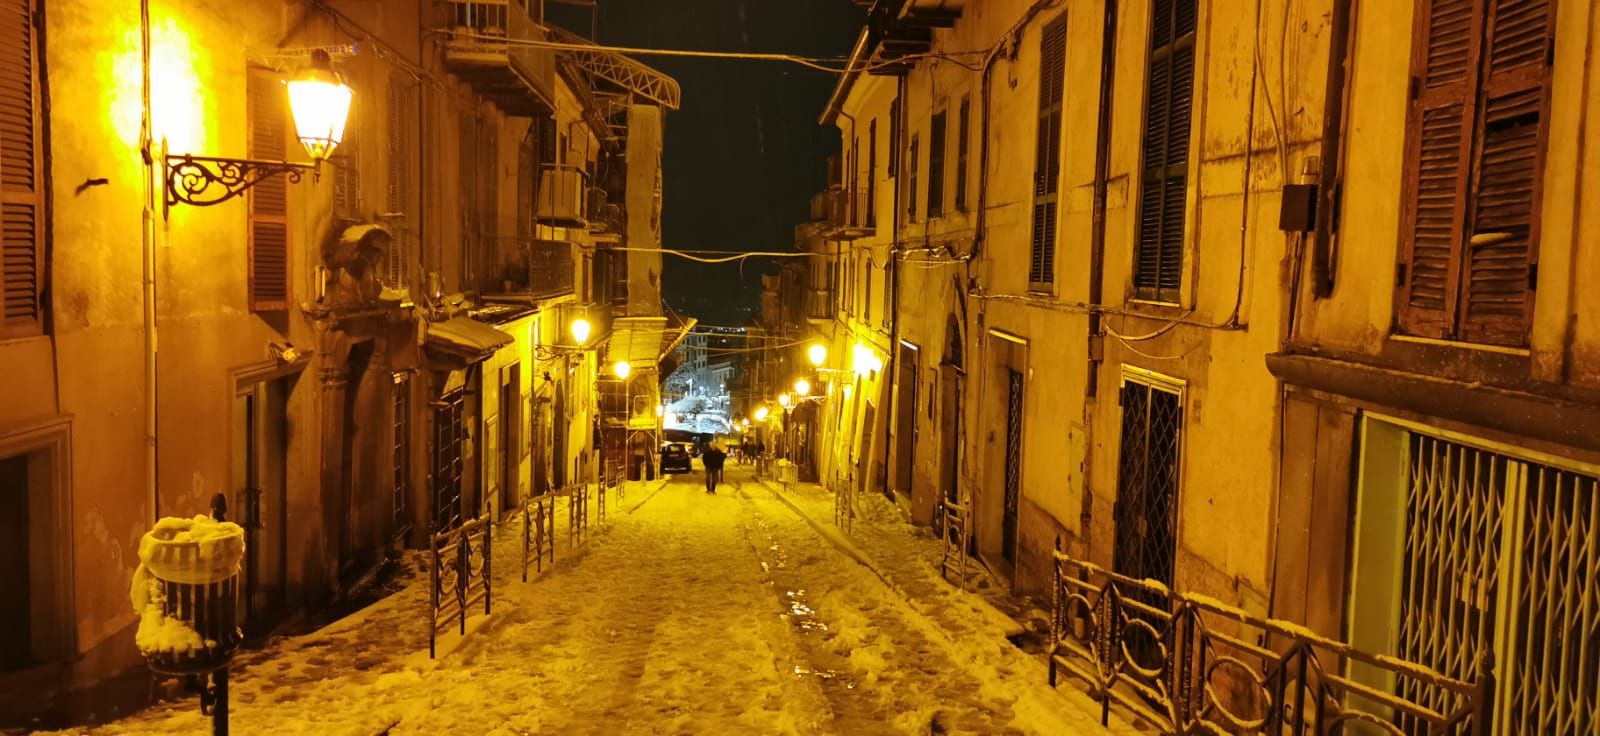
<point x="905" y="418"/>
<point x="1146" y="509"/>
<point x="260" y="493"/>
<point x="510" y="438"/>
<point x="997" y="500"/>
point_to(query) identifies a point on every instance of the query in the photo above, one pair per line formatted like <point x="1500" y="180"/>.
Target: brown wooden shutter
<point x="1438" y="144"/>
<point x="1158" y="259"/>
<point x="398" y="191"/>
<point x="22" y="257"/>
<point x="1497" y="286"/>
<point x="1047" y="153"/>
<point x="268" y="109"/>
<point x="347" y="166"/>
<point x="936" y="144"/>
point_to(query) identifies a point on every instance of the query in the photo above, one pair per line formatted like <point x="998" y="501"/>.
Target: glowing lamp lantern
<point x="580" y="331"/>
<point x="320" y="102"/>
<point x="661" y="409"/>
<point x="817" y="353"/>
<point x="761" y="414"/>
<point x="745" y="422"/>
<point x="802" y="387"/>
<point x="785" y="400"/>
<point x="621" y="369"/>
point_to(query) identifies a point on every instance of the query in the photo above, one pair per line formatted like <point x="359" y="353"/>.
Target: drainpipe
<point x="148" y="252"/>
<point x="1332" y="132"/>
<point x="1097" y="252"/>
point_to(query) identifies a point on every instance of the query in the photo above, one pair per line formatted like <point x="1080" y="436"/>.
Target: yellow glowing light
<point x="745" y="422"/>
<point x="580" y="330"/>
<point x="847" y="391"/>
<point x="817" y="353"/>
<point x="320" y="103"/>
<point x="621" y="369"/>
<point x="761" y="414"/>
<point x="802" y="387"/>
<point x="785" y="400"/>
<point x="661" y="409"/>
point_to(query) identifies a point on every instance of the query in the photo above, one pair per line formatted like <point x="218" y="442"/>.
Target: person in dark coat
<point x="713" y="458"/>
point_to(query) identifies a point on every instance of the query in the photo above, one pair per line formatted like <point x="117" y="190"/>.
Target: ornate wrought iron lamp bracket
<point x="203" y="181"/>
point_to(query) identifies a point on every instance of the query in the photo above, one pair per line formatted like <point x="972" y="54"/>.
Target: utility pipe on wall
<point x="1097" y="253"/>
<point x="148" y="253"/>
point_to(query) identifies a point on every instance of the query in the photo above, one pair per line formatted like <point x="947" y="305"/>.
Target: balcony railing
<point x="539" y="269"/>
<point x="849" y="214"/>
<point x="483" y="47"/>
<point x="1188" y="664"/>
<point x="819" y="305"/>
<point x="562" y="197"/>
<point x="604" y="215"/>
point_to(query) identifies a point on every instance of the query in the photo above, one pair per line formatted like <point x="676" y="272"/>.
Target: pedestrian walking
<point x="712" y="459"/>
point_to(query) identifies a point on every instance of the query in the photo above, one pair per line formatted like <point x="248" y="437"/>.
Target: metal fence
<point x="953" y="531"/>
<point x="577" y="513"/>
<point x="538" y="533"/>
<point x="460" y="576"/>
<point x="1192" y="665"/>
<point x="844" y="502"/>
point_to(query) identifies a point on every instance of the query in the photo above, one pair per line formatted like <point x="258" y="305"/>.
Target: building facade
<point x="1274" y="303"/>
<point x="353" y="359"/>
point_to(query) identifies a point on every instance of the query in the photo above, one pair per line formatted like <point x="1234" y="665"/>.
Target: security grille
<point x="1008" y="538"/>
<point x="1147" y="481"/>
<point x="1486" y="531"/>
<point x="448" y="432"/>
<point x="401" y="453"/>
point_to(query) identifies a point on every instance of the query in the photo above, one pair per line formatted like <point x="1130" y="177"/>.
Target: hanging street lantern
<point x="817" y="353"/>
<point x="580" y="330"/>
<point x="320" y="102"/>
<point x="621" y="369"/>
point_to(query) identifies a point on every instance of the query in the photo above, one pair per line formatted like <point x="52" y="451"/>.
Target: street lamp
<point x="802" y="387"/>
<point x="785" y="400"/>
<point x="817" y="353"/>
<point x="319" y="100"/>
<point x="761" y="413"/>
<point x="621" y="369"/>
<point x="580" y="331"/>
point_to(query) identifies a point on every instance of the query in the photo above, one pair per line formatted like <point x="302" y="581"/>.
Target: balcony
<point x="536" y="269"/>
<point x="819" y="305"/>
<point x="482" y="47"/>
<point x="562" y="197"/>
<point x="849" y="215"/>
<point x="604" y="215"/>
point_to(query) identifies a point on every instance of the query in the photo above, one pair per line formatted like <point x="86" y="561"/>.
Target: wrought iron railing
<point x="1189" y="664"/>
<point x="492" y="29"/>
<point x="460" y="576"/>
<point x="538" y="533"/>
<point x="844" y="502"/>
<point x="577" y="513"/>
<point x="953" y="533"/>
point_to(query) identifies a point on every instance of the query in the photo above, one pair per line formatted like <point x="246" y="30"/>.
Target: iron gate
<point x="1146" y="507"/>
<point x="401" y="454"/>
<point x="1013" y="479"/>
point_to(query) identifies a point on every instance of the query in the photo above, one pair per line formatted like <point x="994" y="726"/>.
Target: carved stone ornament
<point x="355" y="260"/>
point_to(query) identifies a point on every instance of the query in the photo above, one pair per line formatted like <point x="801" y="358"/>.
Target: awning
<point x="464" y="339"/>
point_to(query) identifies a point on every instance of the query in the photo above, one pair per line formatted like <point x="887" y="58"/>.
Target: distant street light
<point x="817" y="353"/>
<point x="621" y="369"/>
<point x="580" y="330"/>
<point x="761" y="414"/>
<point x="785" y="400"/>
<point x="802" y="387"/>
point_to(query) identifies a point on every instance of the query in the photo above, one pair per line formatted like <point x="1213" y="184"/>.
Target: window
<point x="1146" y="510"/>
<point x="872" y="173"/>
<point x="1474" y="162"/>
<point x="268" y="108"/>
<point x="911" y="188"/>
<point x="449" y="435"/>
<point x="894" y="136"/>
<point x="936" y="165"/>
<point x="1047" y="158"/>
<point x="1158" y="259"/>
<point x="962" y="134"/>
<point x="397" y="194"/>
<point x="400" y="454"/>
<point x="853" y="186"/>
<point x="22" y="256"/>
<point x="346" y="161"/>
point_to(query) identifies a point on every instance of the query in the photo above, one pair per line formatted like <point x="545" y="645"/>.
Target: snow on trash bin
<point x="186" y="593"/>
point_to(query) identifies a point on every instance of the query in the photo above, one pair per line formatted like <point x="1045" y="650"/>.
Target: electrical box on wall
<point x="1299" y="211"/>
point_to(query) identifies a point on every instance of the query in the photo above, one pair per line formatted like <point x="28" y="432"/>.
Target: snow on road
<point x="691" y="613"/>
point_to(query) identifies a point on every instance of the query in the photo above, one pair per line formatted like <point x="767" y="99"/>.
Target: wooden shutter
<point x="911" y="191"/>
<point x="1158" y="260"/>
<point x="1474" y="160"/>
<point x="347" y="166"/>
<point x="22" y="258"/>
<point x="963" y="133"/>
<point x="267" y="105"/>
<point x="936" y="143"/>
<point x="1497" y="286"/>
<point x="1047" y="154"/>
<point x="872" y="173"/>
<point x="397" y="195"/>
<point x="1443" y="76"/>
<point x="466" y="185"/>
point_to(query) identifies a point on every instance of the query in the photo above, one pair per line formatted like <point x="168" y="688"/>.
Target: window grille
<point x="1013" y="473"/>
<point x="401" y="453"/>
<point x="449" y="433"/>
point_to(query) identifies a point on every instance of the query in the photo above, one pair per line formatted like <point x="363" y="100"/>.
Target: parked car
<point x="674" y="458"/>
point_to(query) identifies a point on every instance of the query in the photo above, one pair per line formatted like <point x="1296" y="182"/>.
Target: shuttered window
<point x="268" y="109"/>
<point x="894" y="137"/>
<point x="936" y="141"/>
<point x="1474" y="159"/>
<point x="397" y="194"/>
<point x="872" y="173"/>
<point x="1047" y="159"/>
<point x="1169" y="90"/>
<point x="962" y="134"/>
<point x="22" y="212"/>
<point x="911" y="191"/>
<point x="346" y="162"/>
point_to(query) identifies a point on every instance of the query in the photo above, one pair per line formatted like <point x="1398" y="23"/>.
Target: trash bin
<point x="186" y="592"/>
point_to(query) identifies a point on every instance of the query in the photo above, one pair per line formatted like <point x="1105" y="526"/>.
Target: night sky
<point x="745" y="153"/>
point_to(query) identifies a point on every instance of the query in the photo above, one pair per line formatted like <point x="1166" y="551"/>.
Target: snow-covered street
<point x="683" y="613"/>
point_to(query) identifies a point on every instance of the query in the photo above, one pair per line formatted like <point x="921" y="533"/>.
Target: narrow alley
<point x="682" y="613"/>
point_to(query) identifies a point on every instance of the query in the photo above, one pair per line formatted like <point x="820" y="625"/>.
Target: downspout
<point x="1332" y="134"/>
<point x="1097" y="252"/>
<point x="148" y="252"/>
